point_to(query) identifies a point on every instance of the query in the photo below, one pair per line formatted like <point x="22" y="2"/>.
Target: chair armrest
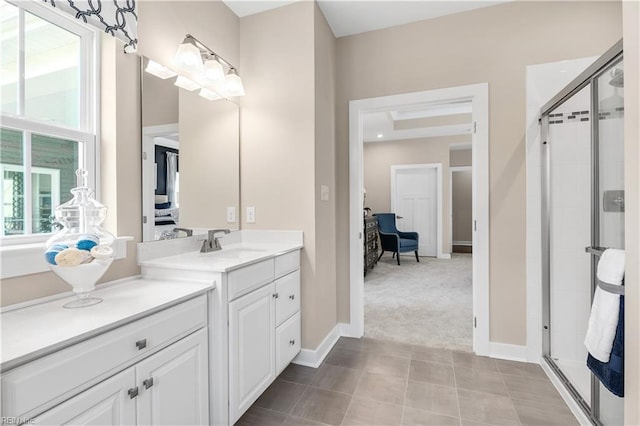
<point x="389" y="239"/>
<point x="409" y="235"/>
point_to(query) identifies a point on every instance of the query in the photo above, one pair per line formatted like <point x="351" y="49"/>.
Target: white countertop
<point x="35" y="331"/>
<point x="232" y="256"/>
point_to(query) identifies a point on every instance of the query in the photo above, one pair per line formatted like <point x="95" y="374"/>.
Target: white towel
<point x="606" y="306"/>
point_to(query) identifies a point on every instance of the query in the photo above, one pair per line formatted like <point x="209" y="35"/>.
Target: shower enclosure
<point x="583" y="213"/>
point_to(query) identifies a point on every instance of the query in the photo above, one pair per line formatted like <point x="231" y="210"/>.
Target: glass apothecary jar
<point x="82" y="251"/>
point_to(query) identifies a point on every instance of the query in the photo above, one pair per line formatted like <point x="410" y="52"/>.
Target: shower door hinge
<point x="144" y="219"/>
<point x="144" y="155"/>
<point x="475" y="126"/>
<point x="475" y="225"/>
<point x="475" y="322"/>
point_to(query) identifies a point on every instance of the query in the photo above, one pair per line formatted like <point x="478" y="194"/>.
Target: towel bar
<point x="611" y="288"/>
<point x="595" y="250"/>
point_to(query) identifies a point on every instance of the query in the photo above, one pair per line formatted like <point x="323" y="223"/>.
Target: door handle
<point x="148" y="383"/>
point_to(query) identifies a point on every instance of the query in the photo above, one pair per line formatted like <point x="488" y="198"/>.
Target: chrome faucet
<point x="187" y="231"/>
<point x="212" y="243"/>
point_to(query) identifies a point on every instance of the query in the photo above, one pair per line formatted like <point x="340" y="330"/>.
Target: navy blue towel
<point x="611" y="374"/>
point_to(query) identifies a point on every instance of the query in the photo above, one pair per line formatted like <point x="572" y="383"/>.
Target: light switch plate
<point x="324" y="193"/>
<point x="231" y="214"/>
<point x="251" y="215"/>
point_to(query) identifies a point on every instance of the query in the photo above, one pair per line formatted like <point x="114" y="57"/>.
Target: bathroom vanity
<point x="254" y="313"/>
<point x="136" y="358"/>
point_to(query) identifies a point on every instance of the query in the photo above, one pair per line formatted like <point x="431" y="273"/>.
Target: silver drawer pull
<point x="133" y="392"/>
<point x="292" y="297"/>
<point x="148" y="383"/>
<point x="276" y="295"/>
<point x="141" y="344"/>
<point x="292" y="342"/>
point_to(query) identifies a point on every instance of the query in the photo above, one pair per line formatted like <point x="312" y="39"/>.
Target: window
<point x="48" y="115"/>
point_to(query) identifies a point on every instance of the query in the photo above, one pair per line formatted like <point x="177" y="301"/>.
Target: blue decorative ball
<point x="50" y="254"/>
<point x="87" y="241"/>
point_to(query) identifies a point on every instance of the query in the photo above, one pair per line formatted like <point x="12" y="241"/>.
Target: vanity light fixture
<point x="233" y="84"/>
<point x="188" y="57"/>
<point x="205" y="69"/>
<point x="186" y="84"/>
<point x="209" y="94"/>
<point x="159" y="71"/>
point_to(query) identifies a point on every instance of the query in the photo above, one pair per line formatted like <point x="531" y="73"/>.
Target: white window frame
<point x="86" y="134"/>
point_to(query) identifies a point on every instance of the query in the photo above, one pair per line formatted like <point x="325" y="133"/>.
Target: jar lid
<point x="83" y="207"/>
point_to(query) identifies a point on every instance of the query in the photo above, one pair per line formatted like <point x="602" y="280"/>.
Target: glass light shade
<point x="186" y="84"/>
<point x="209" y="94"/>
<point x="213" y="70"/>
<point x="234" y="85"/>
<point x="159" y="71"/>
<point x="188" y="57"/>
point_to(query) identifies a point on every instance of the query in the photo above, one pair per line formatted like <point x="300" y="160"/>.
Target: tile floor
<point x="373" y="382"/>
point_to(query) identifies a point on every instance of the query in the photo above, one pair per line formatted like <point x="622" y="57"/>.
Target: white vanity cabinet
<point x="264" y="327"/>
<point x="149" y="371"/>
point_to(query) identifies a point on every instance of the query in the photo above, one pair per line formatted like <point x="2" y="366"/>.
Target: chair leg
<point x="398" y="258"/>
<point x="417" y="258"/>
<point x="393" y="255"/>
<point x="380" y="257"/>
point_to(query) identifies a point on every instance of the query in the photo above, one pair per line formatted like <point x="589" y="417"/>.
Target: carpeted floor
<point x="427" y="303"/>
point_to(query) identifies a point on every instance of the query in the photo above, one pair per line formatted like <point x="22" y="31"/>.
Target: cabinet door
<point x="251" y="348"/>
<point x="174" y="385"/>
<point x="287" y="342"/>
<point x="107" y="403"/>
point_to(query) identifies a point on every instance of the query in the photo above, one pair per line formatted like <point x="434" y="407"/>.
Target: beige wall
<point x="492" y="45"/>
<point x="460" y="157"/>
<point x="380" y="156"/>
<point x="631" y="12"/>
<point x="209" y="163"/>
<point x="283" y="152"/>
<point x="461" y="206"/>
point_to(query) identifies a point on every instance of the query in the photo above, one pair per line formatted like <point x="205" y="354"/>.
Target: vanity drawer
<point x="246" y="279"/>
<point x="288" y="262"/>
<point x="288" y="301"/>
<point x="287" y="342"/>
<point x="34" y="387"/>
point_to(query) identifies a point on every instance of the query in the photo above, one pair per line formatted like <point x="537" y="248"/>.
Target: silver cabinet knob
<point x="292" y="342"/>
<point x="276" y="295"/>
<point x="141" y="344"/>
<point x="292" y="296"/>
<point x="133" y="392"/>
<point x="148" y="383"/>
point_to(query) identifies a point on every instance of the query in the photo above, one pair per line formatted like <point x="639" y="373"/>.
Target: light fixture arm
<point x="205" y="50"/>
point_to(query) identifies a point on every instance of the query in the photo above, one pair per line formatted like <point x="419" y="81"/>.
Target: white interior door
<point x="414" y="199"/>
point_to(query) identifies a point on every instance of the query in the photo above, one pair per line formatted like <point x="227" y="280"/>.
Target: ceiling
<point x="348" y="17"/>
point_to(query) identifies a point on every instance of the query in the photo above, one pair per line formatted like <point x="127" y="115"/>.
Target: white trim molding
<point x="508" y="351"/>
<point x="478" y="96"/>
<point x="580" y="416"/>
<point x="314" y="358"/>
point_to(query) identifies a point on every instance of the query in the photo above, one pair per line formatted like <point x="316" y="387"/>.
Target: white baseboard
<point x="347" y="330"/>
<point x="462" y="243"/>
<point x="508" y="352"/>
<point x="580" y="416"/>
<point x="444" y="256"/>
<point x="313" y="358"/>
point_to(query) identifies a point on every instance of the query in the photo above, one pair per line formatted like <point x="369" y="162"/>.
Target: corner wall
<point x="492" y="45"/>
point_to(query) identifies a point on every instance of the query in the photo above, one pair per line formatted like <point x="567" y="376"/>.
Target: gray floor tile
<point x="469" y="360"/>
<point x="520" y="369"/>
<point x="349" y="343"/>
<point x="281" y="396"/>
<point x="389" y="365"/>
<point x="298" y="374"/>
<point x="531" y="389"/>
<point x="434" y="398"/>
<point x="375" y="346"/>
<point x="465" y="422"/>
<point x="346" y="358"/>
<point x="322" y="406"/>
<point x="431" y="372"/>
<point x="338" y="379"/>
<point x="381" y="388"/>
<point x="299" y="421"/>
<point x="415" y="417"/>
<point x="480" y="380"/>
<point x="256" y="416"/>
<point x="368" y="412"/>
<point x="543" y="414"/>
<point x="422" y="353"/>
<point x="487" y="408"/>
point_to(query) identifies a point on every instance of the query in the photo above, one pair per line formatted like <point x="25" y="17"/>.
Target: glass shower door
<point x="609" y="203"/>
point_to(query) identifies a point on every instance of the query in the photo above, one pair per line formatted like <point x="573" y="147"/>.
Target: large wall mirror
<point x="190" y="160"/>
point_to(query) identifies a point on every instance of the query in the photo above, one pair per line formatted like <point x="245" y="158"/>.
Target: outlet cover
<point x="231" y="214"/>
<point x="251" y="215"/>
<point x="324" y="193"/>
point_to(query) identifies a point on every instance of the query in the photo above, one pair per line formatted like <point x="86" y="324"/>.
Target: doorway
<point x="477" y="97"/>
